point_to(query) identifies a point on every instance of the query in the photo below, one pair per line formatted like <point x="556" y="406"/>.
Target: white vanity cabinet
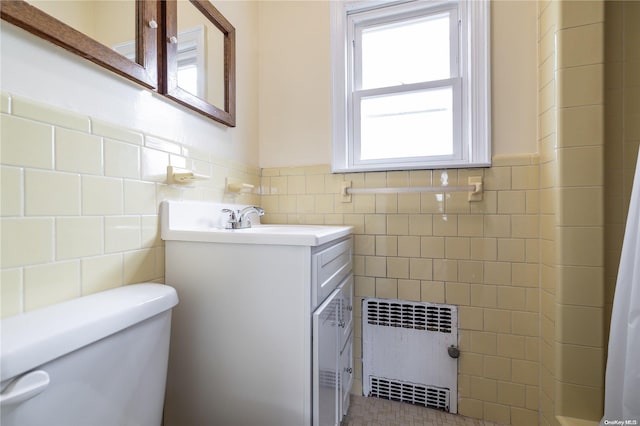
<point x="244" y="349"/>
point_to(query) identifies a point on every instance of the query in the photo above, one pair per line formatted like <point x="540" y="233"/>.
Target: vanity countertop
<point x="202" y="222"/>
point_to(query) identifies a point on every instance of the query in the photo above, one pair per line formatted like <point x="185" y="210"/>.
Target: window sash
<point x="361" y="21"/>
<point x="355" y="148"/>
<point x="358" y="23"/>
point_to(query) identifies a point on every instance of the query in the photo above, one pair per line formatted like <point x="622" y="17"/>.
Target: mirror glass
<point x="200" y="55"/>
<point x="109" y="22"/>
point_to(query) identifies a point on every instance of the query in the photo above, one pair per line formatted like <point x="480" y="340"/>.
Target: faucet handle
<point x="232" y="214"/>
<point x="233" y="219"/>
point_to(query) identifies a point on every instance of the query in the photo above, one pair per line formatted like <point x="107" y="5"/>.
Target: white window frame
<point x="469" y="80"/>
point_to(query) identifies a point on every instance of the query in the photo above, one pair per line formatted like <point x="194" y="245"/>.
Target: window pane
<point x="406" y="52"/>
<point x="411" y="124"/>
<point x="188" y="78"/>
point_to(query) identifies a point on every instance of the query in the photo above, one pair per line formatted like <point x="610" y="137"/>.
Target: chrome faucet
<point x="239" y="219"/>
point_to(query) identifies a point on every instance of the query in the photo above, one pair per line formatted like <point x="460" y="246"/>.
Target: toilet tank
<point x="96" y="360"/>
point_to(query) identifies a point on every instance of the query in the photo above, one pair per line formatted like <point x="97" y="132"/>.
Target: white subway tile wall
<point x="80" y="199"/>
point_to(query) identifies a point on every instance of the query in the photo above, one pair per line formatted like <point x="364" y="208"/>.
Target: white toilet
<point x="96" y="360"/>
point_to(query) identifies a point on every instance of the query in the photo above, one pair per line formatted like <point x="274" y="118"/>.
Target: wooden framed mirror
<point x="146" y="49"/>
<point x="199" y="59"/>
<point x="70" y="32"/>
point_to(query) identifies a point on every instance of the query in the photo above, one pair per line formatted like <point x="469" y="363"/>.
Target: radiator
<point x="405" y="350"/>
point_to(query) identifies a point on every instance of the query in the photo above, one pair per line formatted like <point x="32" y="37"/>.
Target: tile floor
<point x="381" y="412"/>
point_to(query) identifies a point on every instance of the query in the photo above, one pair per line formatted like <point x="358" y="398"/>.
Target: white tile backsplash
<point x="111" y="131"/>
<point x="11" y="284"/>
<point x="154" y="165"/>
<point x="80" y="200"/>
<point x="121" y="233"/>
<point x="11" y="196"/>
<point x="139" y="197"/>
<point x="51" y="283"/>
<point x="101" y="273"/>
<point x="46" y="114"/>
<point x="26" y="241"/>
<point x="78" y="152"/>
<point x="26" y="143"/>
<point x="102" y="195"/>
<point x="139" y="265"/>
<point x="121" y="159"/>
<point x="49" y="193"/>
<point x="79" y="237"/>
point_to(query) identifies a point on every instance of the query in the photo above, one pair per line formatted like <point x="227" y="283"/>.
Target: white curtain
<point x="622" y="383"/>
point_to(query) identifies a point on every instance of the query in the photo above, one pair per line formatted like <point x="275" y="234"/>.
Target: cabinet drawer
<point x="328" y="268"/>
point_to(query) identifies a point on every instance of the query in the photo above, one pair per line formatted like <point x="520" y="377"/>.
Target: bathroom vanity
<point x="263" y="333"/>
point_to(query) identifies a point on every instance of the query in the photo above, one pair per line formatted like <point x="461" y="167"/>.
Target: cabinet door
<point x="141" y="66"/>
<point x="345" y="321"/>
<point x="212" y="59"/>
<point x="326" y="392"/>
<point x="346" y="371"/>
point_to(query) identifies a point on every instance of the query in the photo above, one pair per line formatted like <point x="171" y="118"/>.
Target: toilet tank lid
<point x="36" y="337"/>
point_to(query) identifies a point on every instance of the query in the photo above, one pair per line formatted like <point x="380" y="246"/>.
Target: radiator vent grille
<point x="427" y="396"/>
<point x="409" y="315"/>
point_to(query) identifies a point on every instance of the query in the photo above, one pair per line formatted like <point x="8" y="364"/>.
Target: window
<point x="410" y="85"/>
<point x="191" y="61"/>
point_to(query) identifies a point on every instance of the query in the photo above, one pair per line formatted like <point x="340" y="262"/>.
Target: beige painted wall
<point x="295" y="81"/>
<point x="79" y="15"/>
<point x="109" y="22"/>
<point x="295" y="87"/>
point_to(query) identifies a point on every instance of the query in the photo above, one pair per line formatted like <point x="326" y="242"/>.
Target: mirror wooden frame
<point x="169" y="76"/>
<point x="156" y="63"/>
<point x="39" y="23"/>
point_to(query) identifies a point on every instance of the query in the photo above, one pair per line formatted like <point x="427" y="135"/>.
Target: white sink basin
<point x="201" y="222"/>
